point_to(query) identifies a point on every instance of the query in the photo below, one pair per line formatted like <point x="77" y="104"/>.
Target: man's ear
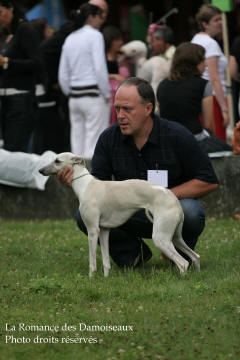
<point x="149" y="108"/>
<point x="78" y="160"/>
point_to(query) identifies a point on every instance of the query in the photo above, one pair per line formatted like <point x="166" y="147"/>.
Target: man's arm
<point x="193" y="189"/>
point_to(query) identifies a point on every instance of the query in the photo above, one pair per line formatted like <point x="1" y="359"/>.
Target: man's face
<point x="158" y="46"/>
<point x="132" y="113"/>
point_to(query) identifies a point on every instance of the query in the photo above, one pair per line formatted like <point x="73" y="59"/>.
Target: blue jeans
<point x="124" y="242"/>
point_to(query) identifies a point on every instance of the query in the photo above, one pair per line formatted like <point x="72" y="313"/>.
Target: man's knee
<point x="194" y="215"/>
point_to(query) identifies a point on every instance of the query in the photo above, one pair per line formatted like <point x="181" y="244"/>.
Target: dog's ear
<point x="78" y="160"/>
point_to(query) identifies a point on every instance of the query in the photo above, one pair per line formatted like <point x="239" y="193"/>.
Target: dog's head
<point x="60" y="162"/>
<point x="134" y="49"/>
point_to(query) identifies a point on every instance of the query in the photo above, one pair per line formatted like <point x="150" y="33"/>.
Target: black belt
<point x="91" y="90"/>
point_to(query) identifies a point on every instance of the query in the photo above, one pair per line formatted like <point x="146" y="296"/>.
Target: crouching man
<point x="143" y="146"/>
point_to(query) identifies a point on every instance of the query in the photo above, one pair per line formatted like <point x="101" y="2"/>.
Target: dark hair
<point x="110" y="33"/>
<point x="18" y="14"/>
<point x="165" y="33"/>
<point x="80" y="15"/>
<point x="206" y="13"/>
<point x="144" y="89"/>
<point x="185" y="60"/>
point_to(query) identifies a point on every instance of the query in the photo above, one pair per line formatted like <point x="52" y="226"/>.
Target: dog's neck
<point x="81" y="179"/>
<point x="141" y="61"/>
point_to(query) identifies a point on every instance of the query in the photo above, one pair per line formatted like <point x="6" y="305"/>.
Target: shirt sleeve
<point x="195" y="162"/>
<point x="100" y="65"/>
<point x="64" y="72"/>
<point x="208" y="90"/>
<point x="27" y="41"/>
<point x="212" y="49"/>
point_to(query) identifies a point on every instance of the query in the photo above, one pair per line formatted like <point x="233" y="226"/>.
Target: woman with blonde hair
<point x="209" y="19"/>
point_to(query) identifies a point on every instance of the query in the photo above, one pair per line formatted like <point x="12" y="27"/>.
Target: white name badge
<point x="159" y="177"/>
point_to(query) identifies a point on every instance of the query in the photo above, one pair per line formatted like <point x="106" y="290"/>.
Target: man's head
<point x="162" y="39"/>
<point x="135" y="105"/>
<point x="103" y="5"/>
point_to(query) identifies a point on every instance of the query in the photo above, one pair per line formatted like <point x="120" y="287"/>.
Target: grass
<point x="158" y="315"/>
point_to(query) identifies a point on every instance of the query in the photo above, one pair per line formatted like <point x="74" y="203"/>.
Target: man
<point x="140" y="142"/>
<point x="162" y="42"/>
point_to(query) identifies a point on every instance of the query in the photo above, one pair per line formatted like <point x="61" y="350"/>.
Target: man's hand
<point x="65" y="176"/>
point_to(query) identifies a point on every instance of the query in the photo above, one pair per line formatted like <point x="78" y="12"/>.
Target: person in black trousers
<point x="19" y="64"/>
<point x="53" y="127"/>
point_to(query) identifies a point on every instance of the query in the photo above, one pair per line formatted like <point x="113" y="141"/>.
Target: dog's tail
<point x="149" y="215"/>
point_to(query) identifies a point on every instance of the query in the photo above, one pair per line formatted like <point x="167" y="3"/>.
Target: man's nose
<point x="120" y="113"/>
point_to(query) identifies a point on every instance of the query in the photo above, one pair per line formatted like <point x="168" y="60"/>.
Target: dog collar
<point x="78" y="177"/>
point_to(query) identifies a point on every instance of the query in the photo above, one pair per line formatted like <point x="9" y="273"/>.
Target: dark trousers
<point x="18" y="120"/>
<point x="52" y="131"/>
<point x="124" y="243"/>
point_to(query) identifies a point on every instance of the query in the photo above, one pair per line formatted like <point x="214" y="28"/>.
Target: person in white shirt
<point x="83" y="77"/>
<point x="209" y="20"/>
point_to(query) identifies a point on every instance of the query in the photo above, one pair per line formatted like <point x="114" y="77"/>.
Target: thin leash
<point x="78" y="177"/>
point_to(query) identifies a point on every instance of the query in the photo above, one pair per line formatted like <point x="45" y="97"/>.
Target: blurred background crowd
<point x="46" y="74"/>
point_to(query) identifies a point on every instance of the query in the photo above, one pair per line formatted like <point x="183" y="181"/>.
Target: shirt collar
<point x="154" y="134"/>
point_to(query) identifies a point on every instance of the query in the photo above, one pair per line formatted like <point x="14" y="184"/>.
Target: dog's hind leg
<point x="104" y="242"/>
<point x="93" y="234"/>
<point x="180" y="244"/>
<point x="162" y="238"/>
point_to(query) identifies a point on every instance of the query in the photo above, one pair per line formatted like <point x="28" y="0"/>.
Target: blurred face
<point x="6" y="16"/>
<point x="117" y="44"/>
<point x="104" y="6"/>
<point x="132" y="114"/>
<point x="158" y="46"/>
<point x="95" y="21"/>
<point x="104" y="14"/>
<point x="214" y="26"/>
<point x="201" y="66"/>
<point x="48" y="32"/>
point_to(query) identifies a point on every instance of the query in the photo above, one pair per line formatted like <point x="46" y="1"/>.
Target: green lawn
<point x="50" y="309"/>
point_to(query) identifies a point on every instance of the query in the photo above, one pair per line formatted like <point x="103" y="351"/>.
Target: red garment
<point x="113" y="85"/>
<point x="220" y="129"/>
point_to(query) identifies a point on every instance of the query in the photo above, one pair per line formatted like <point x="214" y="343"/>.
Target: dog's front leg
<point x="104" y="242"/>
<point x="92" y="240"/>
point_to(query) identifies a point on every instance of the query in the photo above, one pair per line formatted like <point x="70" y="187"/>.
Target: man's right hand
<point x="65" y="176"/>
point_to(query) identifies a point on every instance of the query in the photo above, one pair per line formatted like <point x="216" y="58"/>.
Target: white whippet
<point x="109" y="204"/>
